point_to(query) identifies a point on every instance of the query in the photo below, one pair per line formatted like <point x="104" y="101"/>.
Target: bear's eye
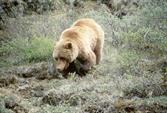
<point x="62" y="58"/>
<point x="56" y="58"/>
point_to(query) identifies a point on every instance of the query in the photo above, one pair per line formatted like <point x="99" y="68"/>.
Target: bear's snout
<point x="61" y="65"/>
<point x="59" y="70"/>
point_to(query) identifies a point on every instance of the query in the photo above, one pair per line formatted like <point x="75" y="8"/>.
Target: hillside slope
<point x="132" y="77"/>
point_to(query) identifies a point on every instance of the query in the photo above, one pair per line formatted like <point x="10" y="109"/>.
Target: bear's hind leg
<point x="98" y="51"/>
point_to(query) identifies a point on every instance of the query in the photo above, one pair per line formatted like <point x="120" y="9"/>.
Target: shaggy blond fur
<point x="83" y="40"/>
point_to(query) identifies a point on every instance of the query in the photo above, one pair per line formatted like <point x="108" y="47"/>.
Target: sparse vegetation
<point x="130" y="78"/>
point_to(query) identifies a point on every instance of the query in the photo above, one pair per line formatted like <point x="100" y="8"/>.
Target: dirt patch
<point x="6" y="79"/>
<point x="11" y="105"/>
<point x="37" y="70"/>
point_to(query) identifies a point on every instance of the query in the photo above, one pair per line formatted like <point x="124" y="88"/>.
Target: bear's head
<point x="64" y="53"/>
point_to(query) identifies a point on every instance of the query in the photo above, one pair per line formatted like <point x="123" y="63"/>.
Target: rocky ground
<point x="130" y="79"/>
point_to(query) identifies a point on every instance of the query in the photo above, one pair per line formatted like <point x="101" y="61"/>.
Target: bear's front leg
<point x="90" y="60"/>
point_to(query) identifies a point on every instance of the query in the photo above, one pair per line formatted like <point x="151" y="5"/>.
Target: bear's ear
<point x="68" y="45"/>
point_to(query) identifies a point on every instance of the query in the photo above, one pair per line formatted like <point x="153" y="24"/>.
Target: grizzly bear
<point x="83" y="41"/>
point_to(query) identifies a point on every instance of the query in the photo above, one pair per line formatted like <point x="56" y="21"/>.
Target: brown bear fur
<point x="84" y="41"/>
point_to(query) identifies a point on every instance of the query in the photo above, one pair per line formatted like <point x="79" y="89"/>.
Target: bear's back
<point x="91" y="24"/>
